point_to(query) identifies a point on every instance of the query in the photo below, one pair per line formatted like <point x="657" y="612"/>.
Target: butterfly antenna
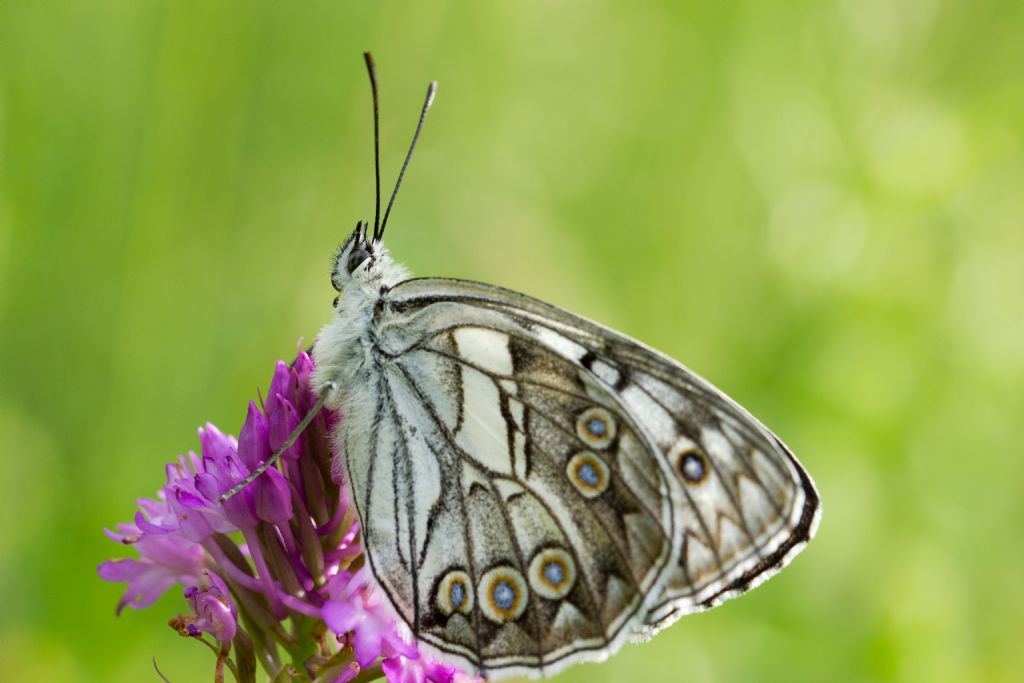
<point x="376" y="139"/>
<point x="431" y="90"/>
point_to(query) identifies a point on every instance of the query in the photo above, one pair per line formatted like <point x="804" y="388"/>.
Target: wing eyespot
<point x="455" y="593"/>
<point x="596" y="427"/>
<point x="552" y="573"/>
<point x="503" y="594"/>
<point x="588" y="473"/>
<point x="690" y="464"/>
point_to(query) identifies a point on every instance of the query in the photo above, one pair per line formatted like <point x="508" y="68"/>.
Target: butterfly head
<point x="355" y="255"/>
<point x="363" y="264"/>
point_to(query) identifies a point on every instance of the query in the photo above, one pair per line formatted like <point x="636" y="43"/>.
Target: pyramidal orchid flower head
<point x="273" y="569"/>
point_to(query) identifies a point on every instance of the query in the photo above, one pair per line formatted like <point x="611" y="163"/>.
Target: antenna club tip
<point x="431" y="93"/>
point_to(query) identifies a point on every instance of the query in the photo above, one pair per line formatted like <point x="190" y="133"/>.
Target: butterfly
<point x="535" y="489"/>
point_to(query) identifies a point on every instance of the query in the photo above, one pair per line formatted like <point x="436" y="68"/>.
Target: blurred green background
<point x="817" y="205"/>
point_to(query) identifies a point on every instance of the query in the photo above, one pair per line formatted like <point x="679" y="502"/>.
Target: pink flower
<point x="164" y="561"/>
<point x="274" y="556"/>
<point x="212" y="609"/>
<point x="356" y="607"/>
<point x="400" y="669"/>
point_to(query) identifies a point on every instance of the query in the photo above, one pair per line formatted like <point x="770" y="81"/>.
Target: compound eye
<point x="358" y="256"/>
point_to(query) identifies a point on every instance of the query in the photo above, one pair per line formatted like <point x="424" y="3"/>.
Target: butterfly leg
<point x="322" y="394"/>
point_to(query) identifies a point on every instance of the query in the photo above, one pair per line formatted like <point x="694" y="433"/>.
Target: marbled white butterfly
<point x="535" y="489"/>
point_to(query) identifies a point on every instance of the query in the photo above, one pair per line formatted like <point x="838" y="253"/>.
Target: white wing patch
<point x="563" y="346"/>
<point x="484" y="348"/>
<point x="656" y="419"/>
<point x="606" y="373"/>
<point x="484" y="432"/>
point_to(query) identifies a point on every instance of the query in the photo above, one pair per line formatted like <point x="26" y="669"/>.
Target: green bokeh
<point x="817" y="205"/>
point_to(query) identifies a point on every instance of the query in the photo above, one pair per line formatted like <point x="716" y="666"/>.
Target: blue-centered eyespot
<point x="588" y="473"/>
<point x="503" y="594"/>
<point x="455" y="593"/>
<point x="595" y="427"/>
<point x="690" y="463"/>
<point x="552" y="573"/>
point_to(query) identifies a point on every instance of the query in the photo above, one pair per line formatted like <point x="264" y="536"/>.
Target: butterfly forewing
<point x="742" y="504"/>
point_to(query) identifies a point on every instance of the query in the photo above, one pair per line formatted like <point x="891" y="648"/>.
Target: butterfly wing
<point x="744" y="505"/>
<point x="539" y="488"/>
